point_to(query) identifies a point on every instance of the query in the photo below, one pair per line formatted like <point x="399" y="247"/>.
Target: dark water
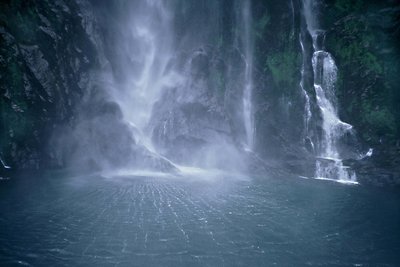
<point x="137" y="221"/>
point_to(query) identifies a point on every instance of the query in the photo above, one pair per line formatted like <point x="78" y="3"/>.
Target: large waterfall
<point x="329" y="163"/>
<point x="148" y="47"/>
<point x="172" y="85"/>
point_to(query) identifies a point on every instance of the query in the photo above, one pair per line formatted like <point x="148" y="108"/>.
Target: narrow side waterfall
<point x="246" y="43"/>
<point x="307" y="106"/>
<point x="329" y="164"/>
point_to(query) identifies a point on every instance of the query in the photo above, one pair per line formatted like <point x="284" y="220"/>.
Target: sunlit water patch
<point x="144" y="220"/>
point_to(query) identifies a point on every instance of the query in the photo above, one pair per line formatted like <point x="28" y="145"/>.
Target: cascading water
<point x="148" y="45"/>
<point x="168" y="84"/>
<point x="329" y="165"/>
<point x="307" y="106"/>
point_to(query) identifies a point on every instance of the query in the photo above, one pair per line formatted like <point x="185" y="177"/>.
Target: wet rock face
<point x="381" y="168"/>
<point x="45" y="59"/>
<point x="279" y="103"/>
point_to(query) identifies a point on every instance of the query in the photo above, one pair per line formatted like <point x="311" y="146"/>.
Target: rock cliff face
<point x="284" y="70"/>
<point x="63" y="64"/>
<point x="46" y="58"/>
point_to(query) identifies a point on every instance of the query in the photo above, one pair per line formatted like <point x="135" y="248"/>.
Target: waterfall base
<point x="333" y="169"/>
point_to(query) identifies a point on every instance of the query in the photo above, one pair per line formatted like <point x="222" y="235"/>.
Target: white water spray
<point x="149" y="46"/>
<point x="165" y="94"/>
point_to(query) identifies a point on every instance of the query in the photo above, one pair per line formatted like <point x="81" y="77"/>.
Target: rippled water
<point x="56" y="220"/>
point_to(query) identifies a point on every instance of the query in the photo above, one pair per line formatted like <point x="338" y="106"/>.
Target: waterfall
<point x="245" y="45"/>
<point x="171" y="88"/>
<point x="307" y="106"/>
<point x="148" y="45"/>
<point x="329" y="165"/>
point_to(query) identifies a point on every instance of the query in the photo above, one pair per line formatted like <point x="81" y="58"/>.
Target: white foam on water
<point x="348" y="182"/>
<point x="208" y="174"/>
<point x="187" y="173"/>
<point x="126" y="173"/>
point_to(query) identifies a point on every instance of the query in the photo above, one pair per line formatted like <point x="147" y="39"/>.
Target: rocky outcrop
<point x="382" y="168"/>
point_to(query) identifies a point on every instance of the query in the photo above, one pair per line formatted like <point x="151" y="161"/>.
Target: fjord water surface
<point x="210" y="221"/>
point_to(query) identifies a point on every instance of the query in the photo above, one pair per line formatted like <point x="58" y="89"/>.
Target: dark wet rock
<point x="45" y="58"/>
<point x="380" y="169"/>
